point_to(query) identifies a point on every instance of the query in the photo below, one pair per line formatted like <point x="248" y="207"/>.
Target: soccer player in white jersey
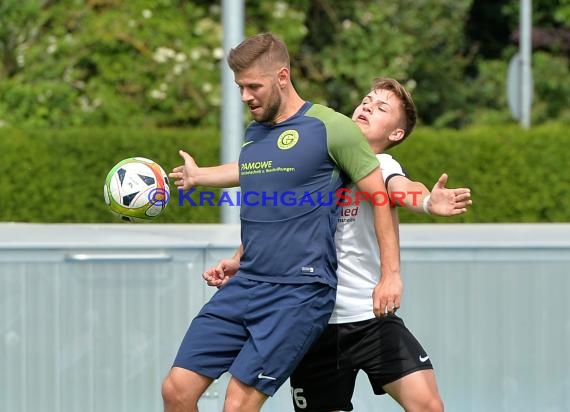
<point x="355" y="339"/>
<point x="358" y="337"/>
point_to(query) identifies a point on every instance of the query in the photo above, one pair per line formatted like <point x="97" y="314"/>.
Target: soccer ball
<point x="136" y="189"/>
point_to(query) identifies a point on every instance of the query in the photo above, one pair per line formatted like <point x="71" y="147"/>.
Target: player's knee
<point x="237" y="404"/>
<point x="434" y="404"/>
<point x="175" y="396"/>
<point x="233" y="405"/>
<point x="170" y="394"/>
<point x="244" y="399"/>
<point x="426" y="404"/>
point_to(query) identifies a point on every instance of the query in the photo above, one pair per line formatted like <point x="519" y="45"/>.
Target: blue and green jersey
<point x="289" y="173"/>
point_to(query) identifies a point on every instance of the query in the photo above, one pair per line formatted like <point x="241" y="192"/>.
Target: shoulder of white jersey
<point x="390" y="167"/>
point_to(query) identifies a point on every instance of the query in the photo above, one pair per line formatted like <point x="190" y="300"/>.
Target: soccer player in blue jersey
<point x="262" y="322"/>
<point x="355" y="339"/>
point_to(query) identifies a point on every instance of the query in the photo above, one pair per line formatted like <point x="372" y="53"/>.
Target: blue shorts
<point x="258" y="331"/>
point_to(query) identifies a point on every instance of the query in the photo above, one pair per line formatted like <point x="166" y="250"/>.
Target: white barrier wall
<point x="91" y="315"/>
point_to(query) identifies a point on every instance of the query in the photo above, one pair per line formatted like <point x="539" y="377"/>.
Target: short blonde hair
<point x="264" y="48"/>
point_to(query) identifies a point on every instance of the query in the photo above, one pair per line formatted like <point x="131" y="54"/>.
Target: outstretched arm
<point x="441" y="201"/>
<point x="190" y="175"/>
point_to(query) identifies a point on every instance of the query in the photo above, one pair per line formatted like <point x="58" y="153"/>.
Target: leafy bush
<point x="514" y="174"/>
<point x="141" y="63"/>
<point x="157" y="63"/>
<point x="57" y="176"/>
<point x="551" y="87"/>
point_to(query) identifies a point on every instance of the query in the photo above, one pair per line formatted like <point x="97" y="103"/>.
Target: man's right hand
<point x="219" y="275"/>
<point x="185" y="176"/>
<point x="189" y="175"/>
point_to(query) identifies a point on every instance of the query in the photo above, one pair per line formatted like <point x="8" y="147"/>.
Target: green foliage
<point x="514" y="175"/>
<point x="58" y="176"/>
<point x="562" y="13"/>
<point x="487" y="95"/>
<point x="416" y="42"/>
<point x="545" y="13"/>
<point x="552" y="87"/>
<point x="122" y="63"/>
<point x="157" y="63"/>
<point x="17" y="26"/>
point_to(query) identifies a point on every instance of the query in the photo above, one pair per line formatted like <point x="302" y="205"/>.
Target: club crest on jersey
<point x="287" y="139"/>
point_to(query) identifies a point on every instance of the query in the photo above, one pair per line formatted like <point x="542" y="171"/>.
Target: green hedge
<point x="515" y="175"/>
<point x="58" y="175"/>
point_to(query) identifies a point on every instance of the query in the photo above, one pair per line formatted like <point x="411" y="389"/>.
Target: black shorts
<point x="383" y="348"/>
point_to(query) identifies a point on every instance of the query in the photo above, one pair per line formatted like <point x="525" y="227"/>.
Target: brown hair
<point x="265" y="48"/>
<point x="408" y="106"/>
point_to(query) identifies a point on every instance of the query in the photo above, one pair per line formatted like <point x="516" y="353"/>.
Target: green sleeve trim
<point x="346" y="144"/>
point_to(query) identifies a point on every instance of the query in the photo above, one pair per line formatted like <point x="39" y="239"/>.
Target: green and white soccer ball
<point x="136" y="189"/>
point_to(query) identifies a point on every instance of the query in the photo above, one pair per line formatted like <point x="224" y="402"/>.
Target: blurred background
<point x="156" y="63"/>
<point x="86" y="83"/>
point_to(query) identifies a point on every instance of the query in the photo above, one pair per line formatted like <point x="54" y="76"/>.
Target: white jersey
<point x="358" y="255"/>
